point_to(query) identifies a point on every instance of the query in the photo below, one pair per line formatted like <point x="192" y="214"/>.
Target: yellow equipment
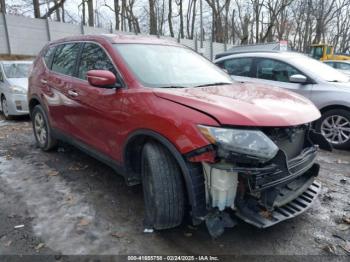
<point x="325" y="52"/>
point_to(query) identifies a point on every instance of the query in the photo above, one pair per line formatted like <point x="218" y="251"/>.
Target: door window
<point x="48" y="56"/>
<point x="64" y="58"/>
<point x="344" y="66"/>
<point x="238" y="66"/>
<point x="94" y="57"/>
<point x="330" y="64"/>
<point x="274" y="70"/>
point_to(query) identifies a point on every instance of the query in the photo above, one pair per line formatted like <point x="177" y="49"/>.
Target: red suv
<point x="166" y="117"/>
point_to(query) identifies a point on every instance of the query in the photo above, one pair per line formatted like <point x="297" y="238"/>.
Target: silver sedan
<point x="13" y="87"/>
<point x="326" y="87"/>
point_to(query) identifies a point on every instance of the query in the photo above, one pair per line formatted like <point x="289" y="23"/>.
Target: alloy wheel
<point x="336" y="129"/>
<point x="5" y="109"/>
<point x="40" y="128"/>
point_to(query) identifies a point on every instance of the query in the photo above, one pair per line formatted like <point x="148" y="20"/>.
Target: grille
<point x="289" y="139"/>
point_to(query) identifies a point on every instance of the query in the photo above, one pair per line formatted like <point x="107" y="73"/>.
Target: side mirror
<point x="101" y="78"/>
<point x="301" y="79"/>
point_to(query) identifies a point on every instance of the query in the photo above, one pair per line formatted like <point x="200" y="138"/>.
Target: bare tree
<point x="36" y="7"/>
<point x="152" y="17"/>
<point x="170" y="17"/>
<point x="91" y="12"/>
<point x="2" y="6"/>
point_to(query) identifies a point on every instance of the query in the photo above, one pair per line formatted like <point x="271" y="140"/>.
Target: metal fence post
<point x="211" y="50"/>
<point x="48" y="29"/>
<point x="195" y="43"/>
<point x="82" y="31"/>
<point x="7" y="34"/>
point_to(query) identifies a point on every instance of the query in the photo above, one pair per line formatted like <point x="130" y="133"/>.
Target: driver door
<point x="276" y="73"/>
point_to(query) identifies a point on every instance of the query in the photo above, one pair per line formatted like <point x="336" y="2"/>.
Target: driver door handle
<point x="72" y="93"/>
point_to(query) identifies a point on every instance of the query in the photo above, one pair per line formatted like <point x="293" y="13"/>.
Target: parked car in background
<point x="184" y="130"/>
<point x="342" y="66"/>
<point x="13" y="87"/>
<point x="326" y="87"/>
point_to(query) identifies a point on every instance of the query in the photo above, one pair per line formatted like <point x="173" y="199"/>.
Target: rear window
<point x="65" y="58"/>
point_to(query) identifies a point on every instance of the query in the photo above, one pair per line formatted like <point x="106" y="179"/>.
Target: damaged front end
<point x="263" y="176"/>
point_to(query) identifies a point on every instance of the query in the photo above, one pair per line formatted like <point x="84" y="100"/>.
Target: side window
<point x="64" y="59"/>
<point x="48" y="56"/>
<point x="344" y="66"/>
<point x="238" y="66"/>
<point x="330" y="64"/>
<point x="94" y="57"/>
<point x="270" y="69"/>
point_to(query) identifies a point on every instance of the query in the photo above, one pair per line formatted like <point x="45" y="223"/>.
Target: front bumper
<point x="292" y="209"/>
<point x="17" y="104"/>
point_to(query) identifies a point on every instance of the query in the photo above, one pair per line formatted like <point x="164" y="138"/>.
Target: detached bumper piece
<point x="294" y="208"/>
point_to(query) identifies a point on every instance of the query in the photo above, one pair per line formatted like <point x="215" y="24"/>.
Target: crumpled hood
<point x="245" y="104"/>
<point x="21" y="82"/>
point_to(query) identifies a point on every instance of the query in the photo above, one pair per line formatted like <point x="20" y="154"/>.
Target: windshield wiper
<point x="215" y="84"/>
<point x="172" y="86"/>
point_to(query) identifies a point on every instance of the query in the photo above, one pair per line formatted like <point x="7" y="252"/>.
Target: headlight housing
<point x="243" y="141"/>
<point x="18" y="90"/>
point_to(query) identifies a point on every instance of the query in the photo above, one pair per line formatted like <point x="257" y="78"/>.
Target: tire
<point x="335" y="126"/>
<point x="163" y="188"/>
<point x="42" y="130"/>
<point x="4" y="108"/>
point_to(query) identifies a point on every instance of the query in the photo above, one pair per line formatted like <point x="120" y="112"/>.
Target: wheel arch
<point x="191" y="172"/>
<point x="331" y="107"/>
<point x="34" y="101"/>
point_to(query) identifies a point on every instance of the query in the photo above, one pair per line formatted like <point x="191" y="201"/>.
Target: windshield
<point x="319" y="69"/>
<point x="16" y="70"/>
<point x="170" y="66"/>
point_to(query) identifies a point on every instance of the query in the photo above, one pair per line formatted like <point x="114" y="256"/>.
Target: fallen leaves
<point x="346" y="219"/>
<point x="346" y="247"/>
<point x="118" y="234"/>
<point x="8" y="243"/>
<point x="330" y="248"/>
<point x="53" y="173"/>
<point x="83" y="222"/>
<point x="339" y="161"/>
<point x="39" y="246"/>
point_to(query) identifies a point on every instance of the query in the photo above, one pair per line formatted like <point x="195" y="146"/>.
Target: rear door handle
<point x="72" y="93"/>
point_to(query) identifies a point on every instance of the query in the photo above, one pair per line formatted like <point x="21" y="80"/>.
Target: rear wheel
<point x="162" y="186"/>
<point x="42" y="130"/>
<point x="5" y="108"/>
<point x="334" y="125"/>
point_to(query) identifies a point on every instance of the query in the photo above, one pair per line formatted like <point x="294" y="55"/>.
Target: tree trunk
<point x="63" y="16"/>
<point x="58" y="16"/>
<point x="182" y="35"/>
<point x="116" y="11"/>
<point x="170" y="14"/>
<point x="2" y="6"/>
<point x="91" y="12"/>
<point x="36" y="7"/>
<point x="152" y="18"/>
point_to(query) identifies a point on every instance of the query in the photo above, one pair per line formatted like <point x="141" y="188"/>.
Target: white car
<point x="326" y="87"/>
<point x="13" y="87"/>
<point x="341" y="65"/>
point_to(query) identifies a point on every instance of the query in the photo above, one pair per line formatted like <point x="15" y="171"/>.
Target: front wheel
<point x="42" y="130"/>
<point x="162" y="186"/>
<point x="334" y="125"/>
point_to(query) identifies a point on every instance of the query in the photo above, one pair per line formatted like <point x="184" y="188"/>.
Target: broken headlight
<point x="243" y="141"/>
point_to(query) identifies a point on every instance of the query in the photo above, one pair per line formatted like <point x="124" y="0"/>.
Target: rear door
<point x="57" y="84"/>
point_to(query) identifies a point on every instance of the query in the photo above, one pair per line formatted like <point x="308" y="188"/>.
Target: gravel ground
<point x="69" y="203"/>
